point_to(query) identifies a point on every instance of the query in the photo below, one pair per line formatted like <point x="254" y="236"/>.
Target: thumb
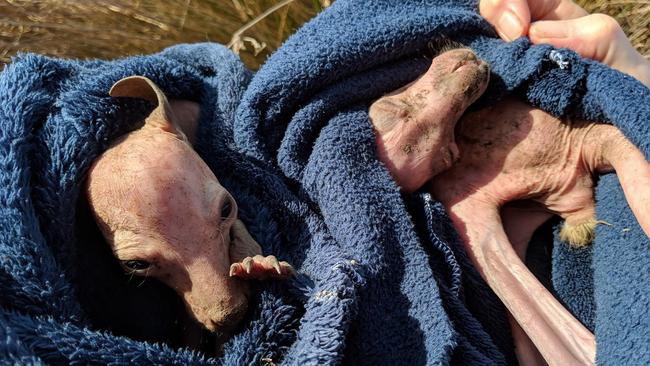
<point x="511" y="18"/>
<point x="595" y="36"/>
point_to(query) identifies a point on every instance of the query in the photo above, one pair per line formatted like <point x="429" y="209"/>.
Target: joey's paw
<point x="261" y="268"/>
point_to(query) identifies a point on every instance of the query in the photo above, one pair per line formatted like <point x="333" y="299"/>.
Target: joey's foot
<point x="261" y="268"/>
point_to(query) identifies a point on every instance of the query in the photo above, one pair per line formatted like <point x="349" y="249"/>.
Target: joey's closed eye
<point x="227" y="208"/>
<point x="135" y="265"/>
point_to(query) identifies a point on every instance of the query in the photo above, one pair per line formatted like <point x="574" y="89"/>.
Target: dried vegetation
<point x="254" y="28"/>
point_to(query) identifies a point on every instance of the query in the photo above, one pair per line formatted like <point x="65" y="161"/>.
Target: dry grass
<point x="116" y="28"/>
<point x="633" y="15"/>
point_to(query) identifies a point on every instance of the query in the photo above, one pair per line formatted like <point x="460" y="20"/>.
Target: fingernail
<point x="510" y="27"/>
<point x="548" y="29"/>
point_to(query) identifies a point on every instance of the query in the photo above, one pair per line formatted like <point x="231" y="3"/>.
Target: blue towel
<point x="383" y="279"/>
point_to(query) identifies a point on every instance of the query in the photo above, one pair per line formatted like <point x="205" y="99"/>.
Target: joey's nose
<point x="469" y="55"/>
<point x="464" y="54"/>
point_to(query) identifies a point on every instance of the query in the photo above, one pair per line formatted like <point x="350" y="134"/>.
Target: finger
<point x="595" y="36"/>
<point x="261" y="268"/>
<point x="511" y="18"/>
<point x="247" y="264"/>
<point x="631" y="167"/>
<point x="555" y="10"/>
<point x="236" y="270"/>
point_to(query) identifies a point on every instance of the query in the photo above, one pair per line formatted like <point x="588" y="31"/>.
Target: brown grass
<point x="116" y="28"/>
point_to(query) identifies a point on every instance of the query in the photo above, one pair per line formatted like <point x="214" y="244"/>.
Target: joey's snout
<point x="463" y="74"/>
<point x="415" y="124"/>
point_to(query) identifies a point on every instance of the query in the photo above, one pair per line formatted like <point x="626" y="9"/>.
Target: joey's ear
<point x="141" y="87"/>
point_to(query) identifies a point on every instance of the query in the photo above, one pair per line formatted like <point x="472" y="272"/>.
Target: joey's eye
<point x="226" y="209"/>
<point x="136" y="265"/>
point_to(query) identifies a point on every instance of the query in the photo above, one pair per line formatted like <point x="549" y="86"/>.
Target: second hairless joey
<point x="166" y="216"/>
<point x="501" y="172"/>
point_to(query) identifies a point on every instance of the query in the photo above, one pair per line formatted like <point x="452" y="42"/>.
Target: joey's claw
<point x="287" y="269"/>
<point x="248" y="264"/>
<point x="273" y="261"/>
<point x="260" y="268"/>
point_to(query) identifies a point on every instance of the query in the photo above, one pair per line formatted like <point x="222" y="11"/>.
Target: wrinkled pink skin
<point x="156" y="201"/>
<point x="415" y="124"/>
<point x="508" y="152"/>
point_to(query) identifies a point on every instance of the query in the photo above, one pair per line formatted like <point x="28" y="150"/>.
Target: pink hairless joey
<point x="501" y="154"/>
<point x="165" y="215"/>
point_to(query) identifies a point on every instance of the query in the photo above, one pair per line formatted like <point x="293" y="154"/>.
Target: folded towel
<point x="383" y="279"/>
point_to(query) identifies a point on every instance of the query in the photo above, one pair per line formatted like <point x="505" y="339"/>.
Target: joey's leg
<point x="514" y="152"/>
<point x="518" y="220"/>
<point x="558" y="336"/>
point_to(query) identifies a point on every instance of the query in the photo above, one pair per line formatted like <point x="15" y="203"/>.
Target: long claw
<point x="287" y="269"/>
<point x="261" y="268"/>
<point x="248" y="264"/>
<point x="273" y="261"/>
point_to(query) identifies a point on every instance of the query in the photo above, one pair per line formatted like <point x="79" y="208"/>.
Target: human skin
<point x="562" y="23"/>
<point x="514" y="152"/>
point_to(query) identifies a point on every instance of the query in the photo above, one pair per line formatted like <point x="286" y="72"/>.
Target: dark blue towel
<point x="383" y="279"/>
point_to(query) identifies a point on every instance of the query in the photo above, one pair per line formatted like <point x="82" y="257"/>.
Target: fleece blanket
<point x="383" y="279"/>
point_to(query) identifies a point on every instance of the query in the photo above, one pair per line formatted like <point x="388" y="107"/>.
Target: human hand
<point x="562" y="23"/>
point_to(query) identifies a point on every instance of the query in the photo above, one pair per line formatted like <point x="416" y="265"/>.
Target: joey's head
<point x="415" y="124"/>
<point x="166" y="216"/>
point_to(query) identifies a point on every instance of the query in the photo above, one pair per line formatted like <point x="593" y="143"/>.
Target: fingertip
<point x="510" y="18"/>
